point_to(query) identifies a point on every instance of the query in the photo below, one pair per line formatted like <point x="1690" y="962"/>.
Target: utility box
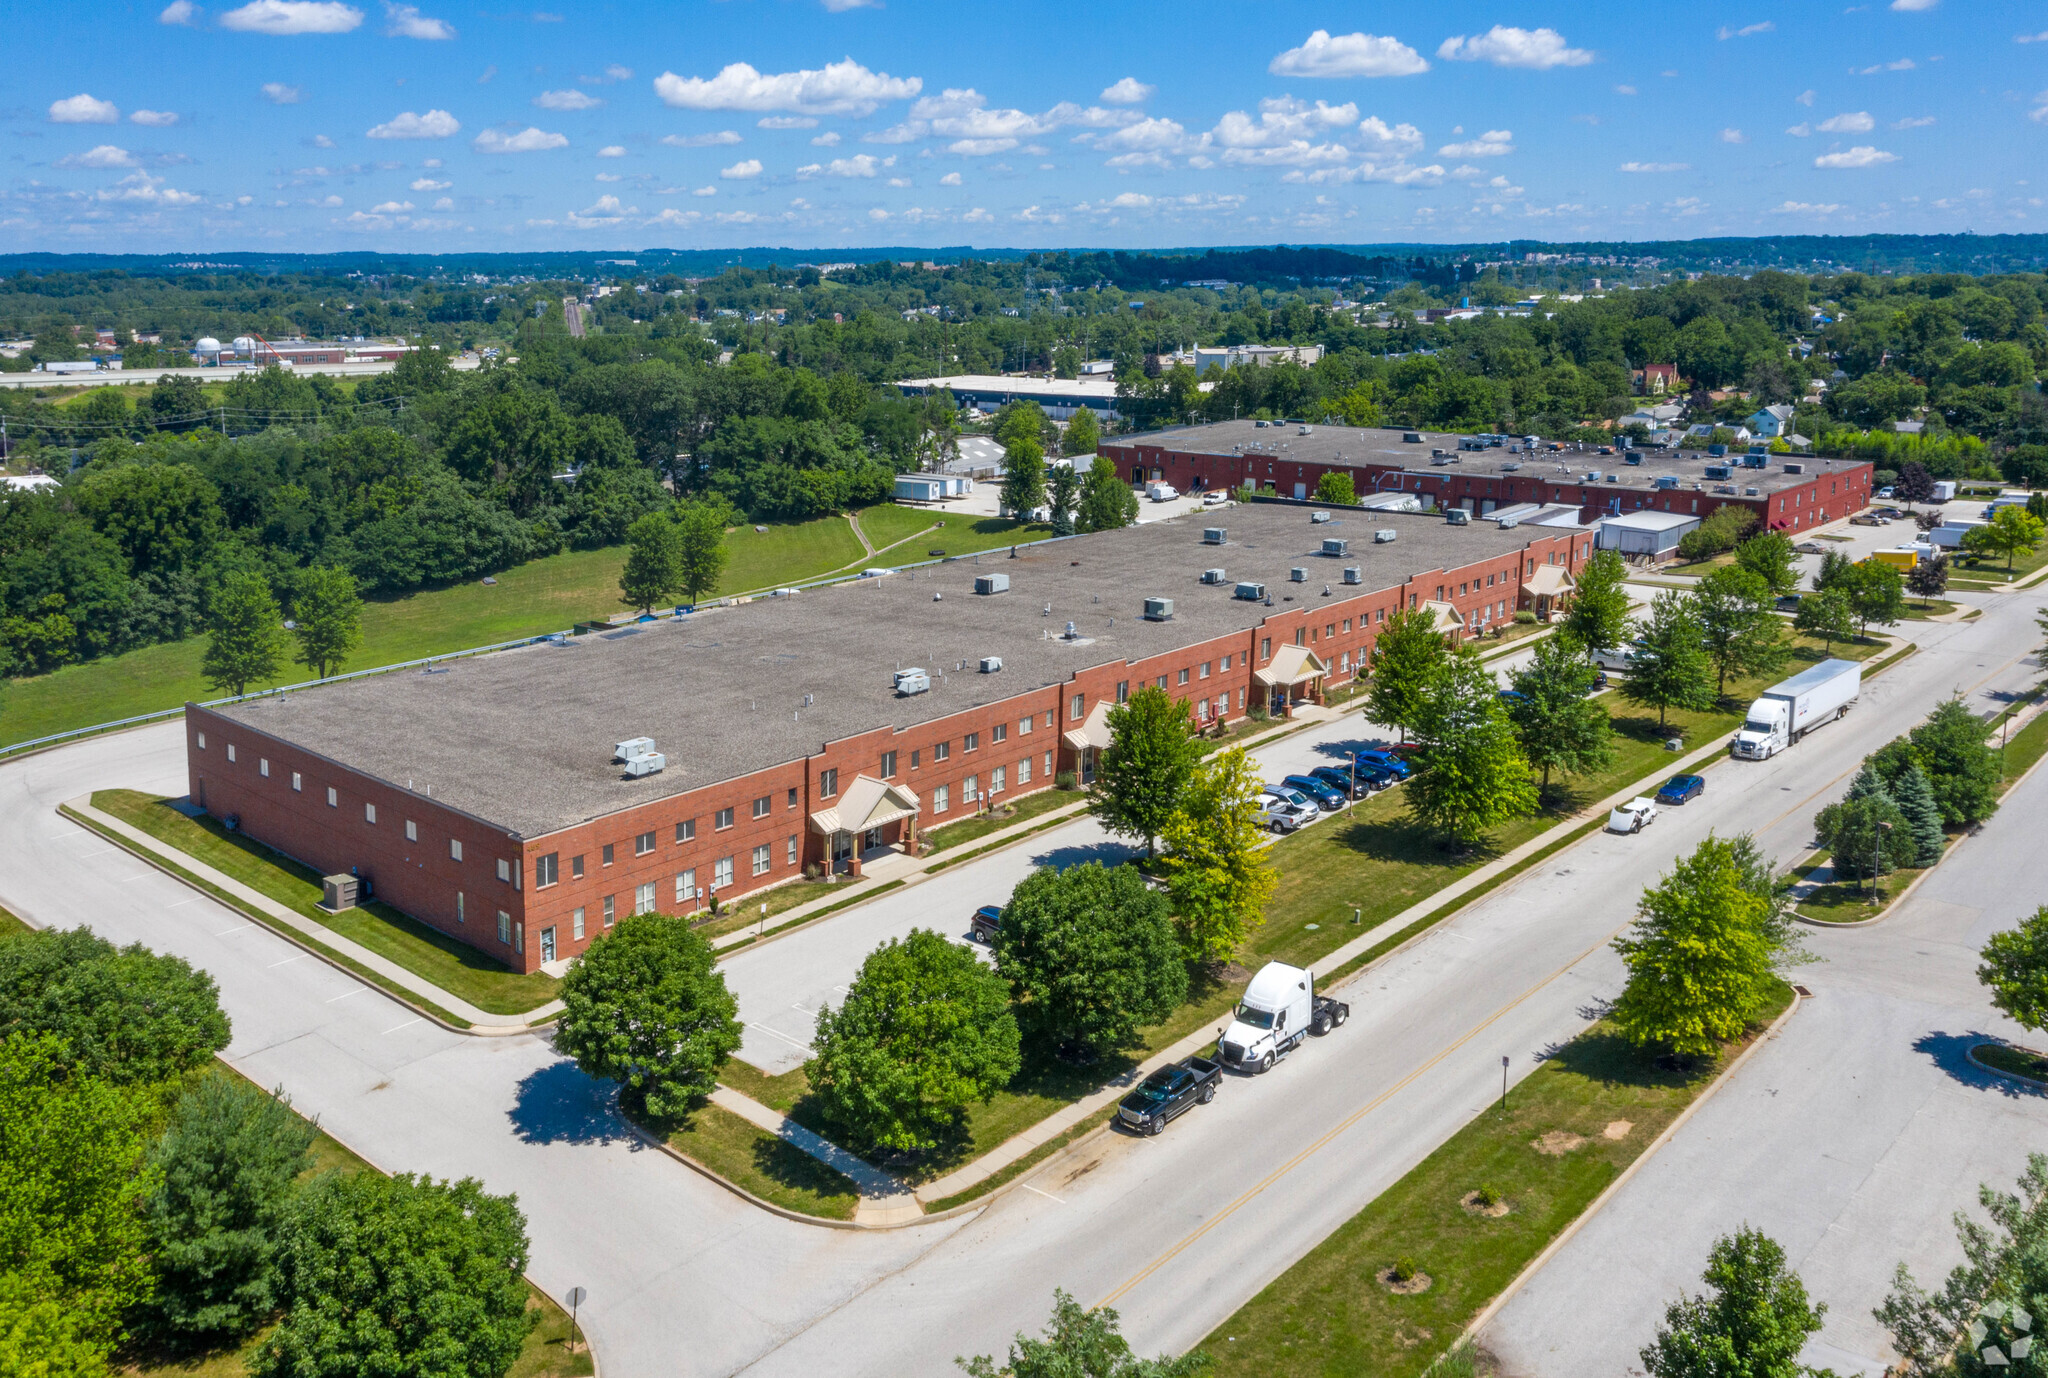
<point x="1158" y="609"/>
<point x="991" y="664"/>
<point x="1458" y="516"/>
<point x="1212" y="576"/>
<point x="1318" y="518"/>
<point x="631" y="747"/>
<point x="337" y="893"/>
<point x="913" y="681"/>
<point x="1252" y="593"/>
<point x="1214" y="535"/>
<point x="1353" y="575"/>
<point x="647" y="763"/>
<point x="991" y="583"/>
<point x="1336" y="549"/>
<point x="1297" y="575"/>
<point x="1384" y="535"/>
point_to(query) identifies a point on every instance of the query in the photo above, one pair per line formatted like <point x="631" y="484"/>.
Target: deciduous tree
<point x="1337" y="489"/>
<point x="127" y="1015"/>
<point x="1738" y="629"/>
<point x="1062" y="492"/>
<point x="1407" y="656"/>
<point x="1769" y="556"/>
<point x="1929" y="578"/>
<point x="1090" y="955"/>
<point x="2011" y="532"/>
<point x="1023" y="477"/>
<point x="654" y="561"/>
<point x="1876" y="595"/>
<point x="1150" y="758"/>
<point x="1107" y="502"/>
<point x="1671" y="668"/>
<point x="1961" y="764"/>
<point x="1752" y="1323"/>
<point x="1559" y="727"/>
<point x="1598" y="618"/>
<point x="2002" y="1260"/>
<point x="1827" y="615"/>
<point x="1218" y="872"/>
<point x="1473" y="777"/>
<point x="1080" y="1343"/>
<point x="700" y="546"/>
<point x="1700" y="955"/>
<point x="1082" y="434"/>
<point x="245" y="635"/>
<point x="2015" y="971"/>
<point x="328" y="614"/>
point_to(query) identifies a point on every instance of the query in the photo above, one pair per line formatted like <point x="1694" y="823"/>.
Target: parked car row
<point x="1301" y="799"/>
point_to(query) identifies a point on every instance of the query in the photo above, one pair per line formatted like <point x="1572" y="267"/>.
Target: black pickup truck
<point x="1167" y="1092"/>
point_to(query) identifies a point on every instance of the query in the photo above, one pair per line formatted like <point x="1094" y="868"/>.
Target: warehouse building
<point x="1061" y="398"/>
<point x="487" y="796"/>
<point x="1790" y="494"/>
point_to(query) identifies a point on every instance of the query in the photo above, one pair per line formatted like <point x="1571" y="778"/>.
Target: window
<point x="295" y="782"/>
<point x="504" y="928"/>
<point x="610" y="910"/>
<point x="504" y="869"/>
<point x="412" y="831"/>
<point x="1347" y="626"/>
<point x="721" y="820"/>
<point x="970" y="790"/>
<point x="939" y="799"/>
<point x="1048" y="763"/>
<point x="1001" y="733"/>
<point x="1048" y="718"/>
<point x="1076" y="706"/>
<point x="972" y="742"/>
<point x="576" y="868"/>
<point x="576" y="924"/>
<point x="888" y="765"/>
<point x="607" y="854"/>
<point x="828" y="783"/>
<point x="454" y="849"/>
<point x="764" y="806"/>
<point x="721" y="873"/>
<point x="1329" y="629"/>
<point x="1226" y="664"/>
<point x="1301" y="636"/>
<point x="1023" y="727"/>
<point x="1266" y="648"/>
<point x="916" y="759"/>
<point x="1024" y="771"/>
<point x="1161" y="681"/>
<point x="763" y="859"/>
<point x="643" y="843"/>
<point x="686" y="886"/>
<point x="369" y="813"/>
<point x="546" y="870"/>
<point x="263" y="766"/>
<point x="459" y="916"/>
<point x="1123" y="692"/>
<point x="643" y="898"/>
<point x="1205" y="668"/>
<point x="202" y="741"/>
<point x="333" y="799"/>
<point x="792" y="798"/>
<point x="942" y="752"/>
<point x="791" y="850"/>
<point x="995" y="781"/>
<point x="231" y="753"/>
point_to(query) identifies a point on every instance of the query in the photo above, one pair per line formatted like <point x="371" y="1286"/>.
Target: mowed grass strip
<point x="453" y="966"/>
<point x="982" y="824"/>
<point x="761" y="1164"/>
<point x="10" y="925"/>
<point x="1569" y="1130"/>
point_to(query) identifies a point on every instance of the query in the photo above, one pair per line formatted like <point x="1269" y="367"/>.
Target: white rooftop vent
<point x="1353" y="575"/>
<point x="1336" y="547"/>
<point x="1306" y="430"/>
<point x="1508" y="523"/>
<point x="913" y="681"/>
<point x="1318" y="518"/>
<point x="1251" y="593"/>
<point x="1384" y="535"/>
<point x="1297" y="575"/>
<point x="991" y="583"/>
<point x="991" y="664"/>
<point x="1212" y="576"/>
<point x="647" y="763"/>
<point x="631" y="747"/>
<point x="1158" y="609"/>
<point x="1458" y="516"/>
<point x="1214" y="535"/>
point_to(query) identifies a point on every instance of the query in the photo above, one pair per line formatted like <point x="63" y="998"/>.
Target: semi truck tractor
<point x="1279" y="1009"/>
<point x="1790" y="710"/>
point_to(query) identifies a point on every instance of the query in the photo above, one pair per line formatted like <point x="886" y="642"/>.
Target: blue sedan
<point x="1330" y="799"/>
<point x="1680" y="788"/>
<point x="1387" y="760"/>
<point x="1343" y="781"/>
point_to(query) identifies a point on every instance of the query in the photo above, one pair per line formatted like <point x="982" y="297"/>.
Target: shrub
<point x="1525" y="617"/>
<point x="1404" y="1269"/>
<point x="1064" y="780"/>
<point x="1490" y="1196"/>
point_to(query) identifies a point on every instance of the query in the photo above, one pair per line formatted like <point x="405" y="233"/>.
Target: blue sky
<point x="319" y="125"/>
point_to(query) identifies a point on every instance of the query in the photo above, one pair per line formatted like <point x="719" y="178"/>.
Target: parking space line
<point x="287" y="961"/>
<point x="1046" y="1194"/>
<point x="775" y="1033"/>
<point x="406" y="1025"/>
<point x="182" y="903"/>
<point x="230" y="932"/>
<point x="345" y="995"/>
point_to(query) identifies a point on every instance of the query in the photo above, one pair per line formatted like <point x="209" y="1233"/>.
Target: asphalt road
<point x="1176" y="1231"/>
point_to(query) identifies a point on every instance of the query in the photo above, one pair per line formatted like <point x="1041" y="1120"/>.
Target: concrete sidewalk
<point x="884" y="1198"/>
<point x="162" y="852"/>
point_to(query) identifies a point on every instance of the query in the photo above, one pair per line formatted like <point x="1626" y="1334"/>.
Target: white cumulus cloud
<point x="1506" y="46"/>
<point x="429" y="184"/>
<point x="839" y="88"/>
<point x="179" y="12"/>
<point x="1855" y="122"/>
<point x="1861" y="156"/>
<point x="829" y="139"/>
<point x="741" y="171"/>
<point x="1911" y="5"/>
<point x="1734" y="136"/>
<point x="391" y="208"/>
<point x="723" y="136"/>
<point x="951" y="179"/>
<point x="612" y="151"/>
<point x="527" y="140"/>
<point x="1806" y="208"/>
<point x="859" y="165"/>
<point x="1376" y="134"/>
<point x="277" y="93"/>
<point x="705" y="191"/>
<point x="435" y="124"/>
<point x="566" y="100"/>
<point x="106" y="155"/>
<point x="1348" y="55"/>
<point x="1746" y="30"/>
<point x="283" y="18"/>
<point x="1654" y="167"/>
<point x="406" y="21"/>
<point x="83" y="109"/>
<point x="154" y="119"/>
<point x="141" y="187"/>
<point x="786" y="122"/>
<point x="1128" y="91"/>
<point x="1493" y="143"/>
<point x="1913" y="122"/>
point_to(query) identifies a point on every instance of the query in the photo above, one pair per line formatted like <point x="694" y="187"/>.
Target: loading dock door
<point x="1300" y="492"/>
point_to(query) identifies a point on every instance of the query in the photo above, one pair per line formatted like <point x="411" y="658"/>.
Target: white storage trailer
<point x="1790" y="710"/>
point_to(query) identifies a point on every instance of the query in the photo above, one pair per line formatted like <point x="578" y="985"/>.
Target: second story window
<point x="828" y="783"/>
<point x="888" y="765"/>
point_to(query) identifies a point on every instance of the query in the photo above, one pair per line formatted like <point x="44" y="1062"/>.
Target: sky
<point x="323" y="125"/>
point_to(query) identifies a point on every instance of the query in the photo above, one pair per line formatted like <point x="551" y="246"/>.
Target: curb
<point x="1983" y="1066"/>
<point x="1565" y="1236"/>
<point x="735" y="1188"/>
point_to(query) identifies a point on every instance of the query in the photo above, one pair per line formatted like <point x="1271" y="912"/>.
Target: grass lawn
<point x="758" y="1162"/>
<point x="2023" y="748"/>
<point x="1918" y="611"/>
<point x="544" y="1355"/>
<point x="981" y="825"/>
<point x="745" y="913"/>
<point x="890" y="529"/>
<point x="1990" y="571"/>
<point x="1849" y="901"/>
<point x="455" y="967"/>
<point x="2017" y="1061"/>
<point x="10" y="925"/>
<point x="1568" y="1131"/>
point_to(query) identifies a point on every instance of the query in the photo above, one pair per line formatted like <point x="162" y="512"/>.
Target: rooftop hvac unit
<point x="1511" y="466"/>
<point x="1384" y="535"/>
<point x="991" y="664"/>
<point x="1613" y="477"/>
<point x="1336" y="548"/>
<point x="1212" y="576"/>
<point x="1318" y="518"/>
<point x="1593" y="476"/>
<point x="1214" y="535"/>
<point x="912" y="681"/>
<point x="631" y="747"/>
<point x="1664" y="481"/>
<point x="1718" y="471"/>
<point x="1458" y="516"/>
<point x="647" y="764"/>
<point x="991" y="583"/>
<point x="1353" y="575"/>
<point x="1727" y="488"/>
<point x="1251" y="593"/>
<point x="1795" y="468"/>
<point x="1297" y="575"/>
<point x="1158" y="609"/>
<point x="1508" y="523"/>
<point x="1752" y="492"/>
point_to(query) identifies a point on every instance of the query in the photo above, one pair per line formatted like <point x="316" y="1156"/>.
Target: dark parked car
<point x="1680" y="788"/>
<point x="1352" y="786"/>
<point x="983" y="924"/>
<point x="1599" y="680"/>
<point x="1386" y="760"/>
<point x="1330" y="799"/>
<point x="1167" y="1092"/>
<point x="1373" y="773"/>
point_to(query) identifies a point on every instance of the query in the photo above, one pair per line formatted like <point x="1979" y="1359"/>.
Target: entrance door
<point x="547" y="944"/>
<point x="842" y="850"/>
<point x="871" y="839"/>
<point x="1300" y="491"/>
<point x="1087" y="765"/>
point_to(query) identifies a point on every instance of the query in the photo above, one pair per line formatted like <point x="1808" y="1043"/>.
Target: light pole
<point x="1503" y="1083"/>
<point x="1876" y="851"/>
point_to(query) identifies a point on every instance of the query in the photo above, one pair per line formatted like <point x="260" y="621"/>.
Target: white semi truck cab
<point x="1788" y="711"/>
<point x="1280" y="1008"/>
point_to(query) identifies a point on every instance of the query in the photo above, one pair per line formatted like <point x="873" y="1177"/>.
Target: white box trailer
<point x="1790" y="710"/>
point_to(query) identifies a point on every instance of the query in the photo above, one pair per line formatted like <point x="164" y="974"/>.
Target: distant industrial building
<point x="1061" y="397"/>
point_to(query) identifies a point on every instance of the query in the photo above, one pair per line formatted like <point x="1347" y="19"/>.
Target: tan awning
<point x="866" y="803"/>
<point x="1094" y="731"/>
<point x="1550" y="581"/>
<point x="1292" y="665"/>
<point x="1446" y="614"/>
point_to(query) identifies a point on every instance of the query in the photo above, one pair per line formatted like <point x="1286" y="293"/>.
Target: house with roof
<point x="1772" y="421"/>
<point x="1654" y="379"/>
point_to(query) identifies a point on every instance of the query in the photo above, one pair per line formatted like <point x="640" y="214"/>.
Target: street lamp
<point x="1876" y="846"/>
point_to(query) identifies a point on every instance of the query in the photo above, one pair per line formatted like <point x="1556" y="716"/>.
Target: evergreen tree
<point x="1107" y="502"/>
<point x="1216" y="864"/>
<point x="245" y="635"/>
<point x="654" y="561"/>
<point x="1865" y="832"/>
<point x="1752" y="1324"/>
<point x="1671" y="668"/>
<point x="1915" y="797"/>
<point x="1473" y="777"/>
<point x="1148" y="763"/>
<point x="329" y="617"/>
<point x="1559" y="727"/>
<point x="1407" y="655"/>
<point x="1063" y="490"/>
<point x="1023" y="477"/>
<point x="1598" y="618"/>
<point x="1827" y="615"/>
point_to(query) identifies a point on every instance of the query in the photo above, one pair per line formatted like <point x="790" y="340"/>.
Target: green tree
<point x="1827" y="615"/>
<point x="1837" y="571"/>
<point x="1216" y="866"/>
<point x="926" y="1031"/>
<point x="163" y="516"/>
<point x="1107" y="502"/>
<point x="1876" y="595"/>
<point x="1914" y="794"/>
<point x="1560" y="729"/>
<point x="1150" y="758"/>
<point x="1598" y="617"/>
<point x="1738" y="629"/>
<point x="1865" y="833"/>
<point x="700" y="551"/>
<point x="1080" y="1343"/>
<point x="2015" y="971"/>
<point x="223" y="1171"/>
<point x="646" y="1007"/>
<point x="71" y="1177"/>
<point x="126" y="1015"/>
<point x="1063" y="492"/>
<point x="2002" y="1261"/>
<point x="245" y="635"/>
<point x="1961" y="765"/>
<point x="1408" y="655"/>
<point x="654" y="561"/>
<point x="1083" y="434"/>
<point x="1090" y="955"/>
<point x="1700" y="955"/>
<point x="1929" y="578"/>
<point x="391" y="1275"/>
<point x="1473" y="777"/>
<point x="1337" y="489"/>
<point x="2012" y="531"/>
<point x="1752" y="1323"/>
<point x="329" y="616"/>
<point x="1023" y="477"/>
<point x="1770" y="557"/>
<point x="42" y="1338"/>
<point x="1671" y="668"/>
<point x="1723" y="529"/>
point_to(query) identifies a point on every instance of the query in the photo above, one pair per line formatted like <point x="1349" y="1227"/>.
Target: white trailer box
<point x="1944" y="490"/>
<point x="1790" y="710"/>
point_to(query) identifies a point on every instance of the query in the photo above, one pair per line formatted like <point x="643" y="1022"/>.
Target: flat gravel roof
<point x="523" y="738"/>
